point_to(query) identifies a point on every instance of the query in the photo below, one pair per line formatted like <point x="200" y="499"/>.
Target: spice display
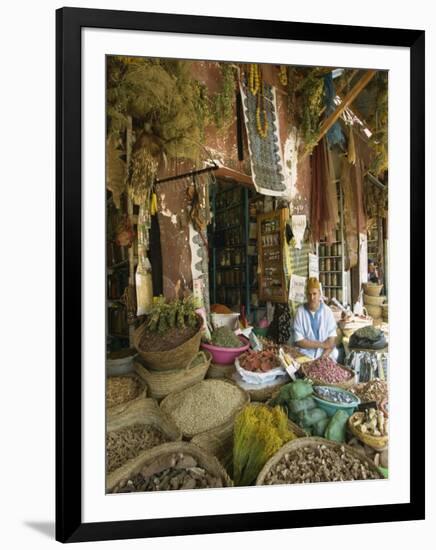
<point x="374" y="390"/>
<point x="210" y="405"/>
<point x="371" y="422"/>
<point x="224" y="337"/>
<point x="259" y="432"/>
<point x="259" y="361"/>
<point x="127" y="443"/>
<point x="169" y="473"/>
<point x="333" y="395"/>
<point x="121" y="389"/>
<point x="320" y="463"/>
<point x="327" y="370"/>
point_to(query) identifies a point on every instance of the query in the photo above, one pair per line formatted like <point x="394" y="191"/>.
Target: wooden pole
<point x="348" y="99"/>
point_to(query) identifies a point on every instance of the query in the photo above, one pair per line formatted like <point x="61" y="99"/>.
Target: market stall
<point x="221" y="206"/>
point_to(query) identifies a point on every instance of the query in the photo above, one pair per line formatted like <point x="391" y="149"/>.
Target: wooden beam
<point x="348" y="99"/>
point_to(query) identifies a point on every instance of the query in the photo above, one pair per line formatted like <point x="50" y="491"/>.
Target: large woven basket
<point x="312" y="442"/>
<point x="170" y="403"/>
<point x="220" y="371"/>
<point x="145" y="412"/>
<point x="372" y="289"/>
<point x="378" y="443"/>
<point x="176" y="358"/>
<point x="373" y="300"/>
<point x="162" y="383"/>
<point x="344" y="385"/>
<point x="206" y="461"/>
<point x="116" y="409"/>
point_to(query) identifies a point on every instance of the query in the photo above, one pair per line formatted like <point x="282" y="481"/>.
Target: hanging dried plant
<point x="116" y="170"/>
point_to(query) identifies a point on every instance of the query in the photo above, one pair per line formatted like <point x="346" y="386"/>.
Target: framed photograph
<point x="239" y="217"/>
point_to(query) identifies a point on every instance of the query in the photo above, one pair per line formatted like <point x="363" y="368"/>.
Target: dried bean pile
<point x="326" y="370"/>
<point x="121" y="389"/>
<point x="170" y="473"/>
<point x="374" y="390"/>
<point x="207" y="407"/>
<point x="121" y="445"/>
<point x="320" y="463"/>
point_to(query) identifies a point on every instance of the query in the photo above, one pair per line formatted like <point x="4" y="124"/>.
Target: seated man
<point x="315" y="325"/>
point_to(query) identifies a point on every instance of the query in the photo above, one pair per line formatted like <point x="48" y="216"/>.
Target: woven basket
<point x="344" y="385"/>
<point x="369" y="300"/>
<point x="145" y="412"/>
<point x="374" y="311"/>
<point x="375" y="442"/>
<point x="171" y="401"/>
<point x="176" y="358"/>
<point x="117" y="409"/>
<point x="312" y="442"/>
<point x="220" y="371"/>
<point x="160" y="384"/>
<point x="372" y="289"/>
<point x="209" y="463"/>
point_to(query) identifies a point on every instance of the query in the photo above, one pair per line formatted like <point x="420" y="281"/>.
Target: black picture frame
<point x="69" y="22"/>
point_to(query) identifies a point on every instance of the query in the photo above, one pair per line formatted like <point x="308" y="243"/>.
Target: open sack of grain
<point x="315" y="459"/>
<point x="122" y="390"/>
<point x="204" y="406"/>
<point x="141" y="425"/>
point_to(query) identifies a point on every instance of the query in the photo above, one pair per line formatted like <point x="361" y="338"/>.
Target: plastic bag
<point x="320" y="427"/>
<point x="336" y="428"/>
<point x="311" y="417"/>
<point x="299" y="405"/>
<point x="300" y="389"/>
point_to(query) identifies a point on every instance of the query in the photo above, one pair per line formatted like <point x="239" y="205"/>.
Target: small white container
<point x="230" y="320"/>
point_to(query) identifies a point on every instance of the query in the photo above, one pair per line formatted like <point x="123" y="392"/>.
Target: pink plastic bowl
<point x="226" y="356"/>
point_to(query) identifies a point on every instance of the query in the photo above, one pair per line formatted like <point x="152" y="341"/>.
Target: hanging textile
<point x="266" y="157"/>
<point x="280" y="329"/>
<point x="324" y="203"/>
<point x="335" y="135"/>
<point x="354" y="214"/>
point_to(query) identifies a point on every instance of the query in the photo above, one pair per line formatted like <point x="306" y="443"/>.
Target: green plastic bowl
<point x="330" y="408"/>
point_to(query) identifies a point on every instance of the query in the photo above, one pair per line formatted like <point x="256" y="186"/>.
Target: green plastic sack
<point x="300" y="389"/>
<point x="336" y="428"/>
<point x="311" y="417"/>
<point x="298" y="405"/>
<point x="320" y="427"/>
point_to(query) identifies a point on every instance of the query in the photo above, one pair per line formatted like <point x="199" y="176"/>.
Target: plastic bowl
<point x="225" y="356"/>
<point x="330" y="408"/>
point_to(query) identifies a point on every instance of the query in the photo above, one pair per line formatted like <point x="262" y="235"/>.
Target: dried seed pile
<point x="207" y="407"/>
<point x="374" y="390"/>
<point x="320" y="463"/>
<point x="121" y="445"/>
<point x="121" y="389"/>
<point x="170" y="473"/>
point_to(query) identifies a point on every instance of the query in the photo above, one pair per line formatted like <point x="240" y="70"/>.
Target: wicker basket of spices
<point x="204" y="406"/>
